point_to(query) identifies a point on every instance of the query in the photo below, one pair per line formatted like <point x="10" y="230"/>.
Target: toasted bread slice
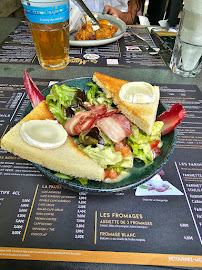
<point x="66" y="159"/>
<point x="142" y="115"/>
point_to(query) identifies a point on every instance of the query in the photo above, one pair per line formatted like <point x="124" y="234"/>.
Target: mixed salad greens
<point x="64" y="102"/>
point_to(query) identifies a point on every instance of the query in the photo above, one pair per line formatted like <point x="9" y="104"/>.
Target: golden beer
<point x="49" y="25"/>
<point x="51" y="43"/>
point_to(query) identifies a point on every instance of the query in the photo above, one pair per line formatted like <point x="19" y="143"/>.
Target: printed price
<point x="20" y="220"/>
<point x="81" y="216"/>
<point x="17" y="227"/>
<point x="188" y="237"/>
<point x="80" y="225"/>
<point x="79" y="236"/>
<point x="16" y="232"/>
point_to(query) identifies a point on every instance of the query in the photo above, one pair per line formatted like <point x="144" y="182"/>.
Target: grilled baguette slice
<point x="66" y="159"/>
<point x="142" y="115"/>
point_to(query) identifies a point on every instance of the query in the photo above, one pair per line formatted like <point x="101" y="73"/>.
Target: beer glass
<point x="49" y="25"/>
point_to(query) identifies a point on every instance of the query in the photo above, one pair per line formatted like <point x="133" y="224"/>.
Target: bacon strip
<point x="82" y="121"/>
<point x="85" y="122"/>
<point x="102" y="110"/>
<point x="111" y="111"/>
<point x="97" y="110"/>
<point x="117" y="127"/>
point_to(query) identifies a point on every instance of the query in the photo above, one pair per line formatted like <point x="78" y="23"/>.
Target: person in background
<point x="125" y="10"/>
<point x="164" y="9"/>
<point x="133" y="6"/>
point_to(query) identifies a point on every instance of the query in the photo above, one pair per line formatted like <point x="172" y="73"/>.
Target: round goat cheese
<point x="44" y="134"/>
<point x="137" y="92"/>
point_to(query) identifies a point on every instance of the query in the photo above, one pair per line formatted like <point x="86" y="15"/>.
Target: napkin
<point x="76" y="18"/>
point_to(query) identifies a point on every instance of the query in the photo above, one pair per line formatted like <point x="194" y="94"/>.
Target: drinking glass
<point x="187" y="52"/>
<point x="49" y="25"/>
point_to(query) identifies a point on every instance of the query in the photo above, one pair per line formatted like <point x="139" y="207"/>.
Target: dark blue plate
<point x="138" y="174"/>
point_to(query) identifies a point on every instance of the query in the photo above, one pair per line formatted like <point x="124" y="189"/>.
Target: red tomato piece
<point x="156" y="152"/>
<point x="113" y="174"/>
<point x="125" y="151"/>
<point x="154" y="144"/>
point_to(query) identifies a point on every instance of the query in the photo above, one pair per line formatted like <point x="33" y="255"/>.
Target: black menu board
<point x="147" y="225"/>
<point x="128" y="52"/>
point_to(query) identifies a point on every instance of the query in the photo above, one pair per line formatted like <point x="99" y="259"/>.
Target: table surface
<point x="7" y="25"/>
<point x="164" y="76"/>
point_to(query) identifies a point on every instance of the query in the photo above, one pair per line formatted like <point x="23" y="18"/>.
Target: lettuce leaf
<point x="59" y="98"/>
<point x="83" y="181"/>
<point x="140" y="142"/>
<point x="104" y="157"/>
<point x="108" y="157"/>
<point x="64" y="176"/>
<point x="95" y="96"/>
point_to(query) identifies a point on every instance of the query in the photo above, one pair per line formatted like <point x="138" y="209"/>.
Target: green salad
<point x="64" y="102"/>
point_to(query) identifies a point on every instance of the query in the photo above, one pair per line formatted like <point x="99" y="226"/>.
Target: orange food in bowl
<point x="103" y="33"/>
<point x="86" y="32"/>
<point x="103" y="22"/>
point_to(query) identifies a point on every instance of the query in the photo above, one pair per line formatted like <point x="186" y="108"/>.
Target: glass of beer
<point x="49" y="25"/>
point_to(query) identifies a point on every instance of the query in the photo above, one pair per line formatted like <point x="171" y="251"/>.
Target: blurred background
<point x="154" y="10"/>
<point x="11" y="8"/>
